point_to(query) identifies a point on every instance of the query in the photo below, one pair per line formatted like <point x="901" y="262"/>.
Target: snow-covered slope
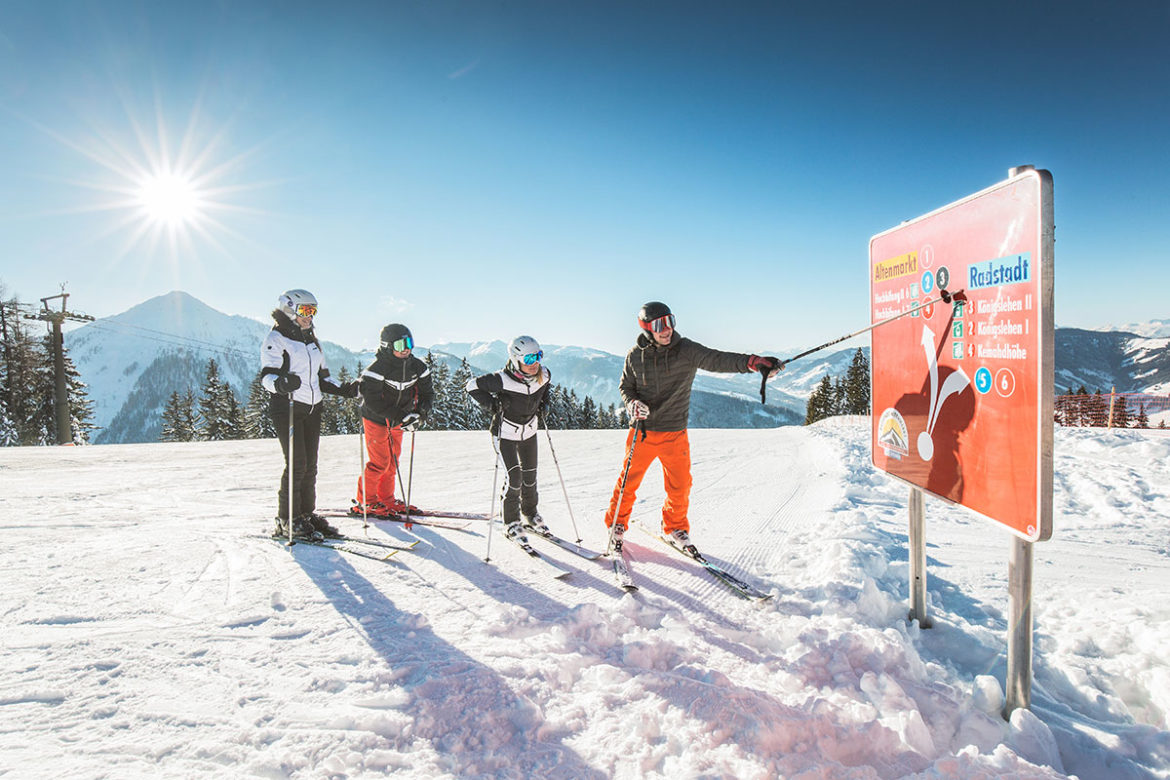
<point x="158" y="633"/>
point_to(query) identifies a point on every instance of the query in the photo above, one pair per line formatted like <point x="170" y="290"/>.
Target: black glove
<point x="349" y="389"/>
<point x="286" y="384"/>
<point x="765" y="365"/>
<point x="411" y="422"/>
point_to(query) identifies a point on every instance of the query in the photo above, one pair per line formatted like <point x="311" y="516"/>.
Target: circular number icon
<point x="926" y="256"/>
<point x="943" y="277"/>
<point x="1005" y="382"/>
<point x="927" y="283"/>
<point x="983" y="380"/>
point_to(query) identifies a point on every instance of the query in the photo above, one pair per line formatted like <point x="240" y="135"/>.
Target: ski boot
<point x="681" y="540"/>
<point x="322" y="526"/>
<point x="617" y="533"/>
<point x="536" y="524"/>
<point x="515" y="532"/>
<point x="301" y="529"/>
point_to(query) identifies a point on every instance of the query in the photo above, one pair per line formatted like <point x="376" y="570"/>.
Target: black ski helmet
<point x="653" y="310"/>
<point x="392" y="333"/>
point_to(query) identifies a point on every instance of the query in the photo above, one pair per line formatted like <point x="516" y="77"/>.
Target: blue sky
<point x="482" y="169"/>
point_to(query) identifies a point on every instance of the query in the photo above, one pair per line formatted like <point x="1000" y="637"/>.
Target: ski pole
<point x="622" y="488"/>
<point x="397" y="472"/>
<point x="410" y="476"/>
<point x="291" y="445"/>
<point x="365" y="496"/>
<point x="959" y="296"/>
<point x="561" y="478"/>
<point x="492" y="514"/>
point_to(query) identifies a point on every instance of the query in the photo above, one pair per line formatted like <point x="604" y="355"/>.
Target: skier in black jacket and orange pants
<point x="397" y="394"/>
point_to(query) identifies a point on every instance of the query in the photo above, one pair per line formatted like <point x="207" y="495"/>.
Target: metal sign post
<point x="963" y="394"/>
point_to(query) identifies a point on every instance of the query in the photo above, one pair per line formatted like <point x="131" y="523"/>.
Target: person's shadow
<point x="935" y="460"/>
<point x="468" y="713"/>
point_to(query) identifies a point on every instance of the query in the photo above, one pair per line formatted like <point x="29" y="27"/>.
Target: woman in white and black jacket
<point x="292" y="364"/>
<point x="516" y="397"/>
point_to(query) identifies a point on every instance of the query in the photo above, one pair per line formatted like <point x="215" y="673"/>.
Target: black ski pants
<point x="306" y="438"/>
<point x="520" y="480"/>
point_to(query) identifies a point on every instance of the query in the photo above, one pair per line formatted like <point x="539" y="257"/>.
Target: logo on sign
<point x="893" y="435"/>
<point x="902" y="265"/>
<point x="996" y="273"/>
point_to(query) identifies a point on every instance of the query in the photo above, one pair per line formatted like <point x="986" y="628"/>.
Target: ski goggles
<point x="403" y="344"/>
<point x="533" y="358"/>
<point x="306" y="309"/>
<point x="658" y="325"/>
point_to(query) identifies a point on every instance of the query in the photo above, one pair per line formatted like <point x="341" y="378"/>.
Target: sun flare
<point x="170" y="198"/>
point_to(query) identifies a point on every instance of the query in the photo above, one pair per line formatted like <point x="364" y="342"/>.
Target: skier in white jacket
<point x="293" y="365"/>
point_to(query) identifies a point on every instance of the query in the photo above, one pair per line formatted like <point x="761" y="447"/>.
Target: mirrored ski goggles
<point x="306" y="309"/>
<point x="658" y="325"/>
<point x="533" y="358"/>
<point x="402" y="344"/>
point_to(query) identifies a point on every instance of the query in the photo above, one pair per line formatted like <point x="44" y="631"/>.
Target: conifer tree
<point x="820" y="402"/>
<point x="1142" y="420"/>
<point x="24" y="380"/>
<point x="1120" y="412"/>
<point x="463" y="414"/>
<point x="857" y="385"/>
<point x="213" y="406"/>
<point x="257" y="419"/>
<point x="440" y="417"/>
<point x="179" y="421"/>
<point x="588" y="418"/>
<point x="80" y="405"/>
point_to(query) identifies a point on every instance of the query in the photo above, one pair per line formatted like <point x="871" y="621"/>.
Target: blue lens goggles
<point x="403" y="344"/>
<point x="533" y="357"/>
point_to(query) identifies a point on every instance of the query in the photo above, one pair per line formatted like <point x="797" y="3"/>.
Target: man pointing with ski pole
<point x="656" y="389"/>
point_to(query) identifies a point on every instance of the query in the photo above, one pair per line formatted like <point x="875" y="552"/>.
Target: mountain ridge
<point x="133" y="361"/>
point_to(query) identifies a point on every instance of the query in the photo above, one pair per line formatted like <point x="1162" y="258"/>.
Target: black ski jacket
<point x="661" y="377"/>
<point x="393" y="387"/>
<point x="515" y="401"/>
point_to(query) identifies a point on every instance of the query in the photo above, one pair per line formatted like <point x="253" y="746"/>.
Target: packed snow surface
<point x="151" y="629"/>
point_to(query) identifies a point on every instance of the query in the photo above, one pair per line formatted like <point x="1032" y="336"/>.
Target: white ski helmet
<point x="523" y="349"/>
<point x="291" y="300"/>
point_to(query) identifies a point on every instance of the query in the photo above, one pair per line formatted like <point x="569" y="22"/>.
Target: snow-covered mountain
<point x="1154" y="329"/>
<point x="1101" y="360"/>
<point x="133" y="361"/>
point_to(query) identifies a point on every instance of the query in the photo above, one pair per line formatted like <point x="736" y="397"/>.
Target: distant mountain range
<point x="133" y="361"/>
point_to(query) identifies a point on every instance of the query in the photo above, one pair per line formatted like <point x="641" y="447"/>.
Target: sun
<point x="170" y="199"/>
<point x="172" y="194"/>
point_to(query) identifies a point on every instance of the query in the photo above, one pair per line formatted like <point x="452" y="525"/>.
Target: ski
<point x="375" y="542"/>
<point x="379" y="554"/>
<point x="433" y="522"/>
<point x="553" y="569"/>
<point x="452" y="515"/>
<point x="572" y="547"/>
<point x="742" y="588"/>
<point x="621" y="570"/>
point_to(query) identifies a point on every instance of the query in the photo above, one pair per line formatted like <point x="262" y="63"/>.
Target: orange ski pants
<point x="383" y="449"/>
<point x="673" y="450"/>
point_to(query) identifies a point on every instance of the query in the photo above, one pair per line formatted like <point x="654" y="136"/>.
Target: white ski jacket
<point x="289" y="349"/>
